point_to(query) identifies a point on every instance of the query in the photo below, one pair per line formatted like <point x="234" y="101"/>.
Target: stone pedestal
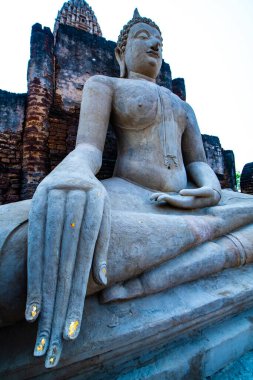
<point x="190" y="332"/>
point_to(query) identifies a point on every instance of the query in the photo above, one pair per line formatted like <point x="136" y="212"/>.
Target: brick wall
<point x="229" y="177"/>
<point x="178" y="87"/>
<point x="247" y="179"/>
<point x="221" y="161"/>
<point x="39" y="99"/>
<point x="12" y="111"/>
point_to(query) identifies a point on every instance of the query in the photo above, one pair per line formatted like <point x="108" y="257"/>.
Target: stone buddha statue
<point x="161" y="220"/>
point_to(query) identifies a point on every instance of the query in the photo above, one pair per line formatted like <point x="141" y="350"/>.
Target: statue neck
<point x="133" y="75"/>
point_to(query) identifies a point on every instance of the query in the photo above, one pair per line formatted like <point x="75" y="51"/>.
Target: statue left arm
<point x="208" y="191"/>
<point x="197" y="168"/>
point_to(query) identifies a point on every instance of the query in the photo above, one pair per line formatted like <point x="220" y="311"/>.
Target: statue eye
<point x="143" y="36"/>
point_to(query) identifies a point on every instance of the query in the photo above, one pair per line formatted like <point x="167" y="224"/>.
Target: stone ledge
<point x="202" y="357"/>
<point x="116" y="336"/>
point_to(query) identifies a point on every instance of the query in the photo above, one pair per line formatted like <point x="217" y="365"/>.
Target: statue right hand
<point x="200" y="197"/>
<point x="69" y="231"/>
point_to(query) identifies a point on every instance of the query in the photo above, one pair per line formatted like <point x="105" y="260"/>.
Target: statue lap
<point x="143" y="236"/>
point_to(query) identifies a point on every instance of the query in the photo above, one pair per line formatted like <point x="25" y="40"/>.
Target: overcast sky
<point x="207" y="42"/>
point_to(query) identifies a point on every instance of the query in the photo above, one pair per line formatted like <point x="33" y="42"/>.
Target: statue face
<point x="143" y="52"/>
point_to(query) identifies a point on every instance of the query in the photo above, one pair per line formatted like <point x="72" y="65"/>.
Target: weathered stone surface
<point x="79" y="14"/>
<point x="40" y="75"/>
<point x="229" y="177"/>
<point x="214" y="155"/>
<point x="10" y="166"/>
<point x="133" y="223"/>
<point x="178" y="87"/>
<point x="160" y="335"/>
<point x="12" y="111"/>
<point x="247" y="179"/>
<point x="221" y="161"/>
<point x="236" y="369"/>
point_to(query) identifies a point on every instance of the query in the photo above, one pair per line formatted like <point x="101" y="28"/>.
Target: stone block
<point x="190" y="332"/>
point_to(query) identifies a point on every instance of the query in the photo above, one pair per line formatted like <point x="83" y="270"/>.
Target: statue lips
<point x="153" y="53"/>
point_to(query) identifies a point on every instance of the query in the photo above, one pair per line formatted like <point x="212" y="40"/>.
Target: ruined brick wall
<point x="229" y="176"/>
<point x="79" y="14"/>
<point x="247" y="179"/>
<point x="39" y="98"/>
<point x="221" y="161"/>
<point x="178" y="87"/>
<point x="12" y="111"/>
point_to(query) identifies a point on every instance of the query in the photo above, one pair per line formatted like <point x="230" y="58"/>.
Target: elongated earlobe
<point x="121" y="61"/>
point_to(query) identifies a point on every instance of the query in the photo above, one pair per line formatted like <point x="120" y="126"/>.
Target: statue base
<point x="190" y="332"/>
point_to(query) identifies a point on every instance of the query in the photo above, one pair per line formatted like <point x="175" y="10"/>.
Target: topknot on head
<point x="136" y="13"/>
<point x="122" y="39"/>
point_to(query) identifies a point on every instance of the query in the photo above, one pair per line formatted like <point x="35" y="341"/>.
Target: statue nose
<point x="155" y="45"/>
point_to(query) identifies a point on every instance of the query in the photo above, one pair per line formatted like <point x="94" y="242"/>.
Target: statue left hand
<point x="189" y="198"/>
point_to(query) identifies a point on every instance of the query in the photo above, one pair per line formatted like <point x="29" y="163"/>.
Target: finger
<point x="54" y="226"/>
<point x="102" y="244"/>
<point x="177" y="200"/>
<point x="36" y="233"/>
<point x="74" y="215"/>
<point x="200" y="192"/>
<point x="88" y="236"/>
<point x="154" y="196"/>
<point x="163" y="198"/>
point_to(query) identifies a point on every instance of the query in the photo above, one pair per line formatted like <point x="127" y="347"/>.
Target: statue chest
<point x="140" y="105"/>
<point x="136" y="104"/>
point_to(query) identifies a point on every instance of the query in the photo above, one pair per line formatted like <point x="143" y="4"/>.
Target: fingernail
<point x="52" y="360"/>
<point x="41" y="346"/>
<point x="103" y="274"/>
<point x="53" y="356"/>
<point x="73" y="329"/>
<point x="32" y="312"/>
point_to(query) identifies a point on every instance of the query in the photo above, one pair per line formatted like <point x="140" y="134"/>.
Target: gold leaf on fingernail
<point x="34" y="311"/>
<point x="72" y="328"/>
<point x="41" y="346"/>
<point x="104" y="270"/>
<point x="52" y="360"/>
<point x="72" y="225"/>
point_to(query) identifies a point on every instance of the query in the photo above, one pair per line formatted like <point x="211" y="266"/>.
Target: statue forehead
<point x="143" y="26"/>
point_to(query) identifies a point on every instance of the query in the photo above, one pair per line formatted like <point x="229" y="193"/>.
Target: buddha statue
<point x="161" y="220"/>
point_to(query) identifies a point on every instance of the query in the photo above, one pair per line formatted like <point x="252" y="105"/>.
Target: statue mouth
<point x="153" y="53"/>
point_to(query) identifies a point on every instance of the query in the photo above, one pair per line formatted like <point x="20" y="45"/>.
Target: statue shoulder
<point x="100" y="81"/>
<point x="190" y="118"/>
<point x="188" y="109"/>
<point x="176" y="100"/>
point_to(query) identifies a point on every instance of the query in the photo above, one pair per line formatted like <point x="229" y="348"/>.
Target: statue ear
<point x="120" y="56"/>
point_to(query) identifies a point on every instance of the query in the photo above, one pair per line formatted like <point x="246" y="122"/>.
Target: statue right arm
<point x="69" y="229"/>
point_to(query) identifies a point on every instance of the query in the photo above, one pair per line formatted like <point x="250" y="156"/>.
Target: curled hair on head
<point x="122" y="39"/>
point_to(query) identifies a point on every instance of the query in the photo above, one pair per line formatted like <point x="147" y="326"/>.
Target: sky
<point x="207" y="42"/>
